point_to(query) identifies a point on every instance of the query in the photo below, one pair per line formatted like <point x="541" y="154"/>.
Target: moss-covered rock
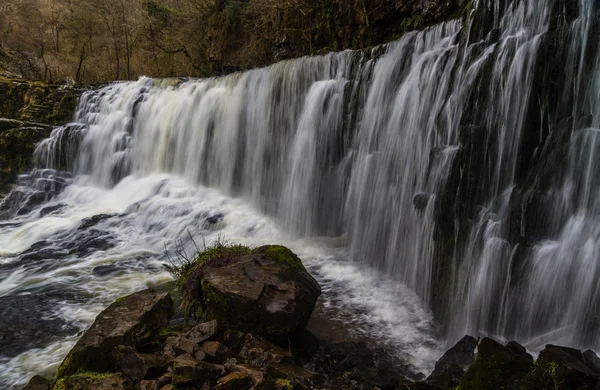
<point x="129" y="322"/>
<point x="94" y="381"/>
<point x="496" y="367"/>
<point x="266" y="291"/>
<point x="17" y="143"/>
<point x="36" y="101"/>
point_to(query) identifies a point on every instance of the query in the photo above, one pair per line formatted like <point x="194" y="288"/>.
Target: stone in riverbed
<point x="137" y="366"/>
<point x="95" y="381"/>
<point x="38" y="383"/>
<point x="188" y="372"/>
<point x="266" y="291"/>
<point x="450" y="368"/>
<point x="561" y="368"/>
<point x="235" y="381"/>
<point x="259" y="352"/>
<point x="496" y="367"/>
<point x="129" y="321"/>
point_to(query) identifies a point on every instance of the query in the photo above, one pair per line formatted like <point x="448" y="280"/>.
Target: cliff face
<point x="28" y="112"/>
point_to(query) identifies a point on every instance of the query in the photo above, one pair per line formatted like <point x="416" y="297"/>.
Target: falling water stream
<point x="342" y="157"/>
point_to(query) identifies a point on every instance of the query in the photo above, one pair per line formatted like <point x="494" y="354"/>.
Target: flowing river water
<point x="340" y="157"/>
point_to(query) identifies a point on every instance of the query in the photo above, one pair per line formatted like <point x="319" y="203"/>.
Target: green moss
<point x="283" y="255"/>
<point x="172" y="330"/>
<point x="94" y="375"/>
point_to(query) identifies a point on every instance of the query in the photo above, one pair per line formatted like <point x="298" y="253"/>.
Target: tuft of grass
<point x="182" y="266"/>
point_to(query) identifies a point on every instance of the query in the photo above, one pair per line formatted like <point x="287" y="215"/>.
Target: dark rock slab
<point x="450" y="368"/>
<point x="94" y="381"/>
<point x="561" y="368"/>
<point x="129" y="321"/>
<point x="38" y="383"/>
<point x="495" y="368"/>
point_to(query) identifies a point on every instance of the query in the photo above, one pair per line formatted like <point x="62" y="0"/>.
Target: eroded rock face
<point x="130" y="321"/>
<point x="266" y="291"/>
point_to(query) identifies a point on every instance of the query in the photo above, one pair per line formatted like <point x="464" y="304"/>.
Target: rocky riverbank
<point x="236" y="319"/>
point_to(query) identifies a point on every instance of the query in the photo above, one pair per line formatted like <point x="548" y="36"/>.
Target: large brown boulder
<point x="129" y="321"/>
<point x="265" y="291"/>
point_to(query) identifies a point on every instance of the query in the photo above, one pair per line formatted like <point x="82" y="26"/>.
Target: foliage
<point x="93" y="42"/>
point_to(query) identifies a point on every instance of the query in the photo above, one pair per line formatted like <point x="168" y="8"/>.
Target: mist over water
<point x="346" y="159"/>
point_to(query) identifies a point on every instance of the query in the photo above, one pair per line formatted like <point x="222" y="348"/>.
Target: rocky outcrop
<point x="130" y="322"/>
<point x="266" y="291"/>
<point x="28" y="112"/>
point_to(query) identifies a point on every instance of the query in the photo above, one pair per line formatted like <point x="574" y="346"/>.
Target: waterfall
<point x="447" y="168"/>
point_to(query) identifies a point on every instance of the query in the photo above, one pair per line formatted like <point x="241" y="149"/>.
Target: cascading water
<point x="365" y="163"/>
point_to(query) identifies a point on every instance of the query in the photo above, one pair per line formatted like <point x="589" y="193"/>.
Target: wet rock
<point x="519" y="350"/>
<point x="294" y="375"/>
<point x="420" y="201"/>
<point x="149" y="385"/>
<point x="259" y="352"/>
<point x="94" y="381"/>
<point x="256" y="375"/>
<point x="129" y="321"/>
<point x="450" y="368"/>
<point x="215" y="352"/>
<point x="562" y="368"/>
<point x="265" y="291"/>
<point x="496" y="367"/>
<point x="25" y="323"/>
<point x="189" y="342"/>
<point x="233" y="339"/>
<point x="137" y="366"/>
<point x="214" y="218"/>
<point x="192" y="372"/>
<point x="38" y="383"/>
<point x="592" y="361"/>
<point x="235" y="381"/>
<point x="349" y="355"/>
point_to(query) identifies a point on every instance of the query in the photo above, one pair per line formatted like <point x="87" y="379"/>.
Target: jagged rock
<point x="129" y="321"/>
<point x="592" y="361"/>
<point x="94" y="381"/>
<point x="519" y="350"/>
<point x="215" y="352"/>
<point x="38" y="383"/>
<point x="233" y="339"/>
<point x="256" y="375"/>
<point x="188" y="342"/>
<point x="450" y="368"/>
<point x="294" y="375"/>
<point x="561" y="368"/>
<point x="235" y="381"/>
<point x="265" y="291"/>
<point x="137" y="366"/>
<point x="149" y="385"/>
<point x="259" y="352"/>
<point x="496" y="367"/>
<point x="189" y="372"/>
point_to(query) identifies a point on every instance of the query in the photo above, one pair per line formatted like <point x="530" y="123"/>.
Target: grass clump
<point x="187" y="270"/>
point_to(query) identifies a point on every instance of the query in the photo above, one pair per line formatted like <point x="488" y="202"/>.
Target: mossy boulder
<point x="36" y="101"/>
<point x="562" y="368"/>
<point x="266" y="291"/>
<point x="95" y="381"/>
<point x="130" y="321"/>
<point x="496" y="367"/>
